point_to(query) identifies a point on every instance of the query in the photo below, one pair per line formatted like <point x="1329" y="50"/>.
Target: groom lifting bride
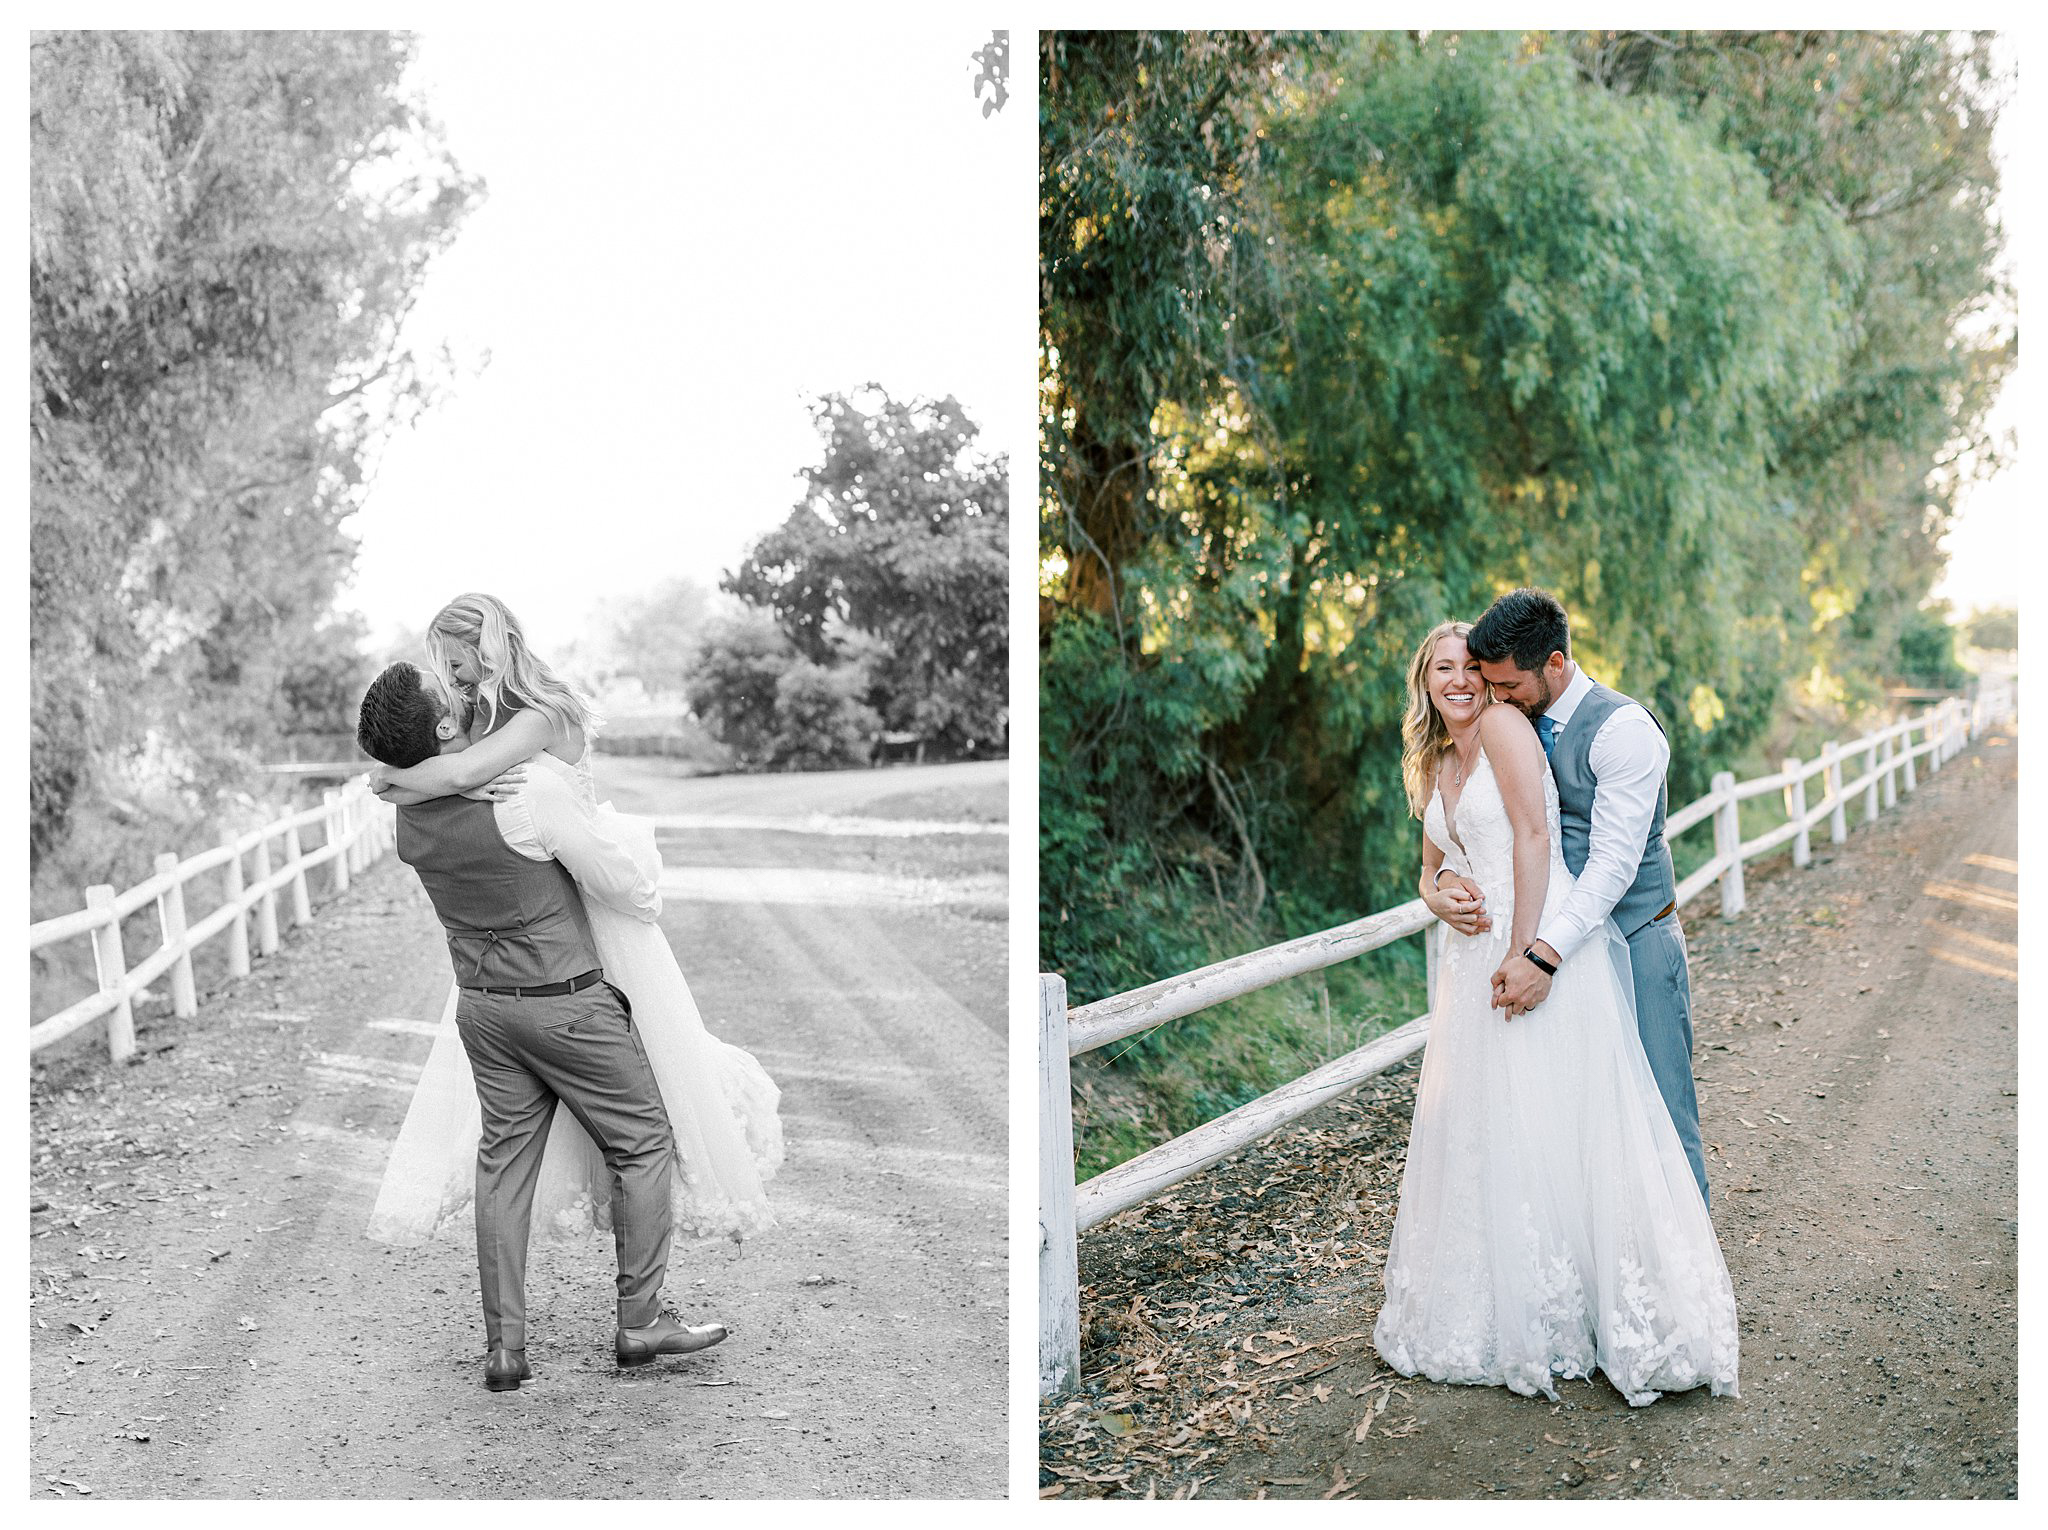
<point x="508" y="872"/>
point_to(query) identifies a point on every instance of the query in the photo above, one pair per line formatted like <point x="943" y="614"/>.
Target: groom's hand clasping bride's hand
<point x="1519" y="985"/>
<point x="1459" y="903"/>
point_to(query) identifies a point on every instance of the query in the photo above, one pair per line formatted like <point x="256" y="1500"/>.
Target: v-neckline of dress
<point x="1450" y="823"/>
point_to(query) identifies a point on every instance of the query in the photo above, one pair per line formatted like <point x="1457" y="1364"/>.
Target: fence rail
<point x="1885" y="761"/>
<point x="356" y="829"/>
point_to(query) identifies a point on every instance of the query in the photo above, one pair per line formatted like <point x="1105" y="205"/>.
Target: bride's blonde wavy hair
<point x="1424" y="736"/>
<point x="510" y="677"/>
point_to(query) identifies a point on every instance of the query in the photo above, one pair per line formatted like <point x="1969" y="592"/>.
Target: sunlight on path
<point x="819" y="823"/>
<point x="806" y="885"/>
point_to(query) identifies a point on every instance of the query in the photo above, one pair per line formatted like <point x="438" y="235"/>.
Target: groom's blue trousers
<point x="1664" y="1020"/>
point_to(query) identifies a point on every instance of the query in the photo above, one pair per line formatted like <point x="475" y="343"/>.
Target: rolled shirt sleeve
<point x="544" y="821"/>
<point x="1628" y="759"/>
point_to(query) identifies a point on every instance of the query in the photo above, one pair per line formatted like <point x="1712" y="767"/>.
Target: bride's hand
<point x="501" y="787"/>
<point x="1459" y="903"/>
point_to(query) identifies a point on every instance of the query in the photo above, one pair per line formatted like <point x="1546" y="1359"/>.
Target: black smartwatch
<point x="1530" y="953"/>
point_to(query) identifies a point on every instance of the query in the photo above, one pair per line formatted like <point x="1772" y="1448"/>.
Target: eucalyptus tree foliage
<point x="227" y="230"/>
<point x="1887" y="136"/>
<point x="1465" y="312"/>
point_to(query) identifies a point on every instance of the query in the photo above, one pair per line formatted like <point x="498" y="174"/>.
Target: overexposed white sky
<point x="689" y="235"/>
<point x="1984" y="568"/>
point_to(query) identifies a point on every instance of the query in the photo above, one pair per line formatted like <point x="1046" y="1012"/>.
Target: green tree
<point x="1997" y="628"/>
<point x="1885" y="138"/>
<point x="1927" y="650"/>
<point x="227" y="230"/>
<point x="1342" y="335"/>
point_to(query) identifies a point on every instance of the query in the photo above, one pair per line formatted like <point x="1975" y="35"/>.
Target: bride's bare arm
<point x="1517" y="758"/>
<point x="448" y="775"/>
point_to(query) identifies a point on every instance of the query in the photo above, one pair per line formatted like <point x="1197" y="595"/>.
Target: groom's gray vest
<point x="512" y="921"/>
<point x="1654" y="886"/>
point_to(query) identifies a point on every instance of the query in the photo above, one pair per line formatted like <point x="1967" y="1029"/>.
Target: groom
<point x="1608" y="756"/>
<point x="540" y="1024"/>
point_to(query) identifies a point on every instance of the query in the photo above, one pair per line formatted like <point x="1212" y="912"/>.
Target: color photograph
<point x="1528" y="841"/>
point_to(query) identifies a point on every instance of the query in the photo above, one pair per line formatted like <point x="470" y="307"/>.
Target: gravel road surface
<point x="1856" y="1051"/>
<point x="207" y="1319"/>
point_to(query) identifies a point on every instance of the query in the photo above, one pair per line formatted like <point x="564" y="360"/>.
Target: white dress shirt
<point x="1628" y="759"/>
<point x="544" y="821"/>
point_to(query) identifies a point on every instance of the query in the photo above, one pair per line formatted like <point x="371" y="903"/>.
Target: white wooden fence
<point x="1884" y="762"/>
<point x="358" y="829"/>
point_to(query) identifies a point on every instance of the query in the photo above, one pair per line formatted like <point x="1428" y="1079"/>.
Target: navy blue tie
<point x="1546" y="730"/>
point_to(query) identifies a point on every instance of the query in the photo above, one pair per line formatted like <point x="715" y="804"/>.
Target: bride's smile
<point x="1454" y="682"/>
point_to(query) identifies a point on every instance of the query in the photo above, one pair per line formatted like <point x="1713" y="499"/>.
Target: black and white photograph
<point x="518" y="760"/>
<point x="1529" y="855"/>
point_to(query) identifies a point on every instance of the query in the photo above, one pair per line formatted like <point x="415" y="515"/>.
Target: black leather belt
<point x="550" y="990"/>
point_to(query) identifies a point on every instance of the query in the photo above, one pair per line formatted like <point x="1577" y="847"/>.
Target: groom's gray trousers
<point x="1656" y="952"/>
<point x="580" y="1049"/>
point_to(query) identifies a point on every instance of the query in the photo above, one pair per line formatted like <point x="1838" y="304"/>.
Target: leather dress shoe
<point x="666" y="1335"/>
<point x="505" y="1369"/>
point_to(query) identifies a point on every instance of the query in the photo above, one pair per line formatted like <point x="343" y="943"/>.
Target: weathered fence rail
<point x="356" y="829"/>
<point x="1883" y="763"/>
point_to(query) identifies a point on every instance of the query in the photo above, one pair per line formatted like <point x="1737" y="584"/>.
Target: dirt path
<point x="208" y="1321"/>
<point x="1857" y="1064"/>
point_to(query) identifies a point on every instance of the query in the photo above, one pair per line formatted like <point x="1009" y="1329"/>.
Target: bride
<point x="1549" y="1222"/>
<point x="721" y="1104"/>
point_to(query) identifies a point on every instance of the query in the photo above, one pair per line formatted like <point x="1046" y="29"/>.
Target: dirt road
<point x="1857" y="1062"/>
<point x="208" y="1321"/>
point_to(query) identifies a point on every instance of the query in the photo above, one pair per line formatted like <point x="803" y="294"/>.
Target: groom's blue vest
<point x="1654" y="886"/>
<point x="512" y="921"/>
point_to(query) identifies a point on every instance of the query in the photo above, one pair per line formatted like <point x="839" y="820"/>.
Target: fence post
<point x="266" y="906"/>
<point x="170" y="918"/>
<point x="1886" y="756"/>
<point x="1838" y="819"/>
<point x="1795" y="809"/>
<point x="295" y="858"/>
<point x="360" y="826"/>
<point x="336" y="827"/>
<point x="113" y="972"/>
<point x="1906" y="748"/>
<point x="1059" y="1276"/>
<point x="238" y="927"/>
<point x="1728" y="843"/>
<point x="1870" y="792"/>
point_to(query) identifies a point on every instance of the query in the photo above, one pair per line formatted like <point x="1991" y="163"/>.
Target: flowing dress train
<point x="1549" y="1224"/>
<point x="720" y="1101"/>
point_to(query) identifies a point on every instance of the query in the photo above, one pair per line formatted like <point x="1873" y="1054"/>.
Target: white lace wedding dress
<point x="1548" y="1223"/>
<point x="720" y="1101"/>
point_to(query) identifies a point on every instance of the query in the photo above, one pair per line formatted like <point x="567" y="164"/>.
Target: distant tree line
<point x="879" y="604"/>
<point x="226" y="232"/>
<point x="1342" y="334"/>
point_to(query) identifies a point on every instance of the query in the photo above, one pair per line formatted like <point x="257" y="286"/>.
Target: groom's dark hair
<point x="1524" y="627"/>
<point x="396" y="722"/>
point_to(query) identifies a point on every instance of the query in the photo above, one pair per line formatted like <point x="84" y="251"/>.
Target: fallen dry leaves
<point x="1211" y="1315"/>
